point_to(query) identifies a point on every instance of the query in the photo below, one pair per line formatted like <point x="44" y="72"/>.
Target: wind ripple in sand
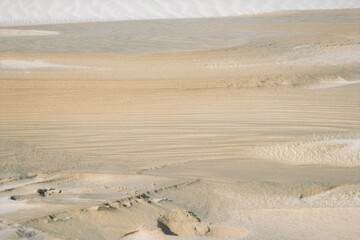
<point x="337" y="150"/>
<point x="56" y="11"/>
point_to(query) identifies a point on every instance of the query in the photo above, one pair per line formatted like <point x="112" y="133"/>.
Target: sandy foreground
<point x="234" y="128"/>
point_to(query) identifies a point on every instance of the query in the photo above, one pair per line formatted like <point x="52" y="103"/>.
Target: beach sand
<point x="229" y="128"/>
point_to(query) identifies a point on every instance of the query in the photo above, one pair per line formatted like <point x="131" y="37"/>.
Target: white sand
<point x="25" y="32"/>
<point x="23" y="12"/>
<point x="36" y="64"/>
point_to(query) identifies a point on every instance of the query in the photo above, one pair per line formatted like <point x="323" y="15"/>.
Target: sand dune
<point x="222" y="128"/>
<point x="22" y="12"/>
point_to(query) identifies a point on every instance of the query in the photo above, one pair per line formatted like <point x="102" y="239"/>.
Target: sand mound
<point x="184" y="223"/>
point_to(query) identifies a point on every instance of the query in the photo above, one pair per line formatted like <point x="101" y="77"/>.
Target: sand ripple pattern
<point x="338" y="150"/>
<point x="58" y="11"/>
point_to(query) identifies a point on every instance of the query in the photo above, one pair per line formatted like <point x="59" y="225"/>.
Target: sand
<point x="29" y="12"/>
<point x="227" y="128"/>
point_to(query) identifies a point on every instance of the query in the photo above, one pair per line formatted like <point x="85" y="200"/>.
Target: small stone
<point x="42" y="191"/>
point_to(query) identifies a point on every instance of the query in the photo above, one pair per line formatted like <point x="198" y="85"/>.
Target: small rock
<point x="42" y="191"/>
<point x="53" y="218"/>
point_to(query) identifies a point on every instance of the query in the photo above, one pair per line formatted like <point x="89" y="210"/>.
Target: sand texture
<point x="228" y="128"/>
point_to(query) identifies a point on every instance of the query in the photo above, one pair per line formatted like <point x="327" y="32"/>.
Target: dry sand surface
<point x="230" y="128"/>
